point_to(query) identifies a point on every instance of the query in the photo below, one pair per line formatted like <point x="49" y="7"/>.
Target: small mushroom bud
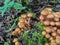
<point x="13" y="33"/>
<point x="46" y="22"/>
<point x="58" y="31"/>
<point x="15" y="40"/>
<point x="58" y="39"/>
<point x="49" y="9"/>
<point x="17" y="29"/>
<point x="53" y="43"/>
<point x="57" y="23"/>
<point x="18" y="43"/>
<point x="51" y="38"/>
<point x="50" y="16"/>
<point x="55" y="28"/>
<point x="22" y="20"/>
<point x="45" y="12"/>
<point x="52" y="23"/>
<point x="56" y="15"/>
<point x="29" y="15"/>
<point x="41" y="17"/>
<point x="47" y="35"/>
<point x="23" y="16"/>
<point x="44" y="32"/>
<point x="54" y="34"/>
<point x="56" y="19"/>
<point x="19" y="32"/>
<point x="20" y="24"/>
<point x="46" y="43"/>
<point x="48" y="30"/>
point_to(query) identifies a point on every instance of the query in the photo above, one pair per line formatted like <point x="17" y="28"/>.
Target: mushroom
<point x="29" y="15"/>
<point x="54" y="34"/>
<point x="45" y="12"/>
<point x="41" y="17"/>
<point x="50" y="16"/>
<point x="23" y="16"/>
<point x="56" y="19"/>
<point x="44" y="32"/>
<point x="58" y="31"/>
<point x="17" y="29"/>
<point x="58" y="39"/>
<point x="57" y="23"/>
<point x="52" y="23"/>
<point x="51" y="38"/>
<point x="15" y="40"/>
<point x="18" y="43"/>
<point x="48" y="29"/>
<point x="47" y="35"/>
<point x="46" y="43"/>
<point x="20" y="24"/>
<point x="46" y="22"/>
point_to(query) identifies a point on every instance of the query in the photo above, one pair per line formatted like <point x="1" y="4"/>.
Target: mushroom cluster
<point x="51" y="20"/>
<point x="23" y="24"/>
<point x="16" y="41"/>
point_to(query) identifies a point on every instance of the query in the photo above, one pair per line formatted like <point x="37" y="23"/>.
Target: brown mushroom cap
<point x="50" y="16"/>
<point x="57" y="23"/>
<point x="58" y="31"/>
<point x="17" y="29"/>
<point x="23" y="16"/>
<point x="20" y="24"/>
<point x="46" y="43"/>
<point x="58" y="39"/>
<point x="15" y="40"/>
<point x="45" y="12"/>
<point x="54" y="34"/>
<point x="46" y="22"/>
<point x="52" y="23"/>
<point x="29" y="15"/>
<point x="48" y="29"/>
<point x="56" y="19"/>
<point x="44" y="32"/>
<point x="47" y="35"/>
<point x="18" y="43"/>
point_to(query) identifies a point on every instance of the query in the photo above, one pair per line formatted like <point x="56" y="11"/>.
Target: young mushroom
<point x="47" y="36"/>
<point x="58" y="39"/>
<point x="44" y="32"/>
<point x="57" y="23"/>
<point x="46" y="43"/>
<point x="58" y="31"/>
<point x="23" y="16"/>
<point x="29" y="15"/>
<point x="18" y="43"/>
<point x="54" y="34"/>
<point x="48" y="29"/>
<point x="50" y="16"/>
<point x="46" y="22"/>
<point x="52" y="23"/>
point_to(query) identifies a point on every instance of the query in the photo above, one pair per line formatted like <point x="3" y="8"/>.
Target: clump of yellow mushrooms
<point x="51" y="20"/>
<point x="23" y="24"/>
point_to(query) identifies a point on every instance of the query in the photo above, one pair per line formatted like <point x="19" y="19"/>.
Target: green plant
<point x="13" y="26"/>
<point x="33" y="37"/>
<point x="26" y="1"/>
<point x="39" y="25"/>
<point x="10" y="4"/>
<point x="6" y="43"/>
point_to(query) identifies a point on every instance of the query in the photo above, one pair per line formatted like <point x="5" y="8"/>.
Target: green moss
<point x="39" y="25"/>
<point x="33" y="37"/>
